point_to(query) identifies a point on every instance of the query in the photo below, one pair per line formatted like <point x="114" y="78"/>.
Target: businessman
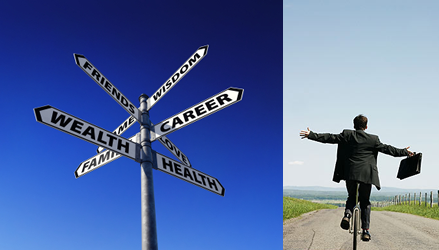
<point x="357" y="162"/>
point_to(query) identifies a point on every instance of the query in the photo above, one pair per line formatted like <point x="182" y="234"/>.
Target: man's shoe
<point x="366" y="235"/>
<point x="345" y="223"/>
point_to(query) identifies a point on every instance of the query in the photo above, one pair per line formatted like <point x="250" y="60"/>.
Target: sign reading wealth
<point x="176" y="77"/>
<point x="197" y="112"/>
<point x="100" y="160"/>
<point x="106" y="85"/>
<point x="188" y="174"/>
<point x="72" y="125"/>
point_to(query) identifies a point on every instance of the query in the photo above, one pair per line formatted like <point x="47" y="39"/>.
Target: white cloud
<point x="295" y="163"/>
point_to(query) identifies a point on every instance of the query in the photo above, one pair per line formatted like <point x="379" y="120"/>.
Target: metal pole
<point x="149" y="228"/>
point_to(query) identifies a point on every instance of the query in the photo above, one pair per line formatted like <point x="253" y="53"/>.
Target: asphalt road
<point x="320" y="230"/>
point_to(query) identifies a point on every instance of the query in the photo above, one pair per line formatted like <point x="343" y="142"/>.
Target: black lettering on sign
<point x="116" y="94"/>
<point x="62" y="119"/>
<point x="223" y="98"/>
<point x="75" y="125"/>
<point x="96" y="75"/>
<point x="157" y="94"/>
<point x="200" y="110"/>
<point x="132" y="108"/>
<point x="112" y="138"/>
<point x="177" y="169"/>
<point x="89" y="131"/>
<point x="184" y="69"/>
<point x="165" y="127"/>
<point x="175" y="77"/>
<point x="85" y="166"/>
<point x="211" y="104"/>
<point x="165" y="164"/>
<point x="203" y="178"/>
<point x="87" y="65"/>
<point x="188" y="114"/>
<point x="213" y="182"/>
<point x="187" y="173"/>
<point x="104" y="157"/>
<point x="100" y="137"/>
<point x="124" y="101"/>
<point x="184" y="159"/>
<point x="126" y="146"/>
<point x="93" y="163"/>
<point x="176" y="121"/>
<point x="195" y="177"/>
<point x="108" y="86"/>
<point x="194" y="60"/>
<point x="168" y="85"/>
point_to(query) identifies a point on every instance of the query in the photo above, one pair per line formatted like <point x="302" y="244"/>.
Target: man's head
<point x="360" y="122"/>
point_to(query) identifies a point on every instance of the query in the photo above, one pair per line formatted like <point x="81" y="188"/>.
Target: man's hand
<point x="304" y="133"/>
<point x="410" y="152"/>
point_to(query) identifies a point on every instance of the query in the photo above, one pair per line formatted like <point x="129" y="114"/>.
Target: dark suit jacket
<point x="357" y="155"/>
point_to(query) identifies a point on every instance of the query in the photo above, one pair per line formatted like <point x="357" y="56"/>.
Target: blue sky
<point x="377" y="58"/>
<point x="138" y="45"/>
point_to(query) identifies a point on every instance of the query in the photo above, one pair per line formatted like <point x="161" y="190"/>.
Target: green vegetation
<point x="294" y="207"/>
<point x="424" y="211"/>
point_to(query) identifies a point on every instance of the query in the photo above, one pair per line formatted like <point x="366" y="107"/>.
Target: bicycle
<point x="354" y="224"/>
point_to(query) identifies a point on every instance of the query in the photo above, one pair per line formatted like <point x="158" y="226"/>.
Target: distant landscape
<point x="337" y="196"/>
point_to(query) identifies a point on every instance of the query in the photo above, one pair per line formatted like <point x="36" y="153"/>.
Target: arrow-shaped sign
<point x="176" y="77"/>
<point x="72" y="125"/>
<point x="188" y="174"/>
<point x="122" y="128"/>
<point x="100" y="160"/>
<point x="174" y="150"/>
<point x="196" y="112"/>
<point x="106" y="85"/>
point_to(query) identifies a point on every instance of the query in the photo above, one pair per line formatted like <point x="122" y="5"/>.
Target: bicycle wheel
<point x="355" y="218"/>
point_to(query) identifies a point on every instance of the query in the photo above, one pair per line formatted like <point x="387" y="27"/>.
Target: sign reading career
<point x="197" y="112"/>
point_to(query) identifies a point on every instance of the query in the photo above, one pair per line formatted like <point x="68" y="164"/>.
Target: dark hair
<point x="360" y="122"/>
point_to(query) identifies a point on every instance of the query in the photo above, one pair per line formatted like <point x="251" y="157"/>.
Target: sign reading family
<point x="138" y="147"/>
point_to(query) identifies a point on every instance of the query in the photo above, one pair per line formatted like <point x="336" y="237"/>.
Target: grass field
<point x="429" y="212"/>
<point x="294" y="207"/>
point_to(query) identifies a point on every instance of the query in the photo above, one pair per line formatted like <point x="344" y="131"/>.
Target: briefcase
<point x="410" y="166"/>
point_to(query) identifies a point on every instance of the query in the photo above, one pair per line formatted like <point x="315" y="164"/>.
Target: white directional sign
<point x="188" y="174"/>
<point x="67" y="123"/>
<point x="196" y="112"/>
<point x="106" y="85"/>
<point x="177" y="152"/>
<point x="180" y="73"/>
<point x="100" y="160"/>
<point x="122" y="128"/>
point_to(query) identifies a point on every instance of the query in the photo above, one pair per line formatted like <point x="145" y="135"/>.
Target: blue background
<point x="138" y="45"/>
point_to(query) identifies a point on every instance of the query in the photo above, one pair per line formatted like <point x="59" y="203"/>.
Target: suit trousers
<point x="363" y="198"/>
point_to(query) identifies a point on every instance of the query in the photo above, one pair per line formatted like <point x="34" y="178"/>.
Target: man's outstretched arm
<point x="323" y="137"/>
<point x="390" y="150"/>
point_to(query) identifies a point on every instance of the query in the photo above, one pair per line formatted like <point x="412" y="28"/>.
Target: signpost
<point x="198" y="111"/>
<point x="138" y="147"/>
<point x="188" y="174"/>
